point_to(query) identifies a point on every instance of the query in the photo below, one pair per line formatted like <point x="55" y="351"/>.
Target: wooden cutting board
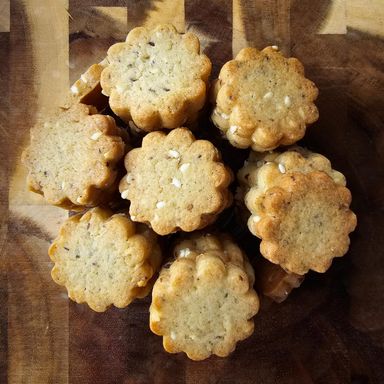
<point x="331" y="330"/>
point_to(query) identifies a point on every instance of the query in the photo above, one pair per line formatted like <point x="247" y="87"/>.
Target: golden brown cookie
<point x="219" y="244"/>
<point x="87" y="89"/>
<point x="203" y="303"/>
<point x="156" y="78"/>
<point x="299" y="208"/>
<point x="175" y="182"/>
<point x="72" y="157"/>
<point x="104" y="258"/>
<point x="262" y="100"/>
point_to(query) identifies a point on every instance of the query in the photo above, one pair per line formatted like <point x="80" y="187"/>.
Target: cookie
<point x="203" y="303"/>
<point x="274" y="282"/>
<point x="87" y="89"/>
<point x="156" y="78"/>
<point x="299" y="208"/>
<point x="104" y="259"/>
<point x="262" y="100"/>
<point x="221" y="245"/>
<point x="175" y="182"/>
<point x="73" y="156"/>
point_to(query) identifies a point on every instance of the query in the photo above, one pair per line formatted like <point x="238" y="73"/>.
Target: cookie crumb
<point x="268" y="95"/>
<point x="160" y="204"/>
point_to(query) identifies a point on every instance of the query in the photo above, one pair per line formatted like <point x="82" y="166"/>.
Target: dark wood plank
<point x="212" y="22"/>
<point x="37" y="317"/>
<point x="5" y="17"/>
<point x="92" y="30"/>
<point x="96" y="3"/>
<point x="149" y="13"/>
<point x="4" y="121"/>
<point x="264" y="23"/>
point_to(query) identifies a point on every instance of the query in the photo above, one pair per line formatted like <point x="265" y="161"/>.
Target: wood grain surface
<point x="330" y="330"/>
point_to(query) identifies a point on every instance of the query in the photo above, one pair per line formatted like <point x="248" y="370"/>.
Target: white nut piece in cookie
<point x="104" y="259"/>
<point x="157" y="77"/>
<point x="220" y="245"/>
<point x="215" y="308"/>
<point x="72" y="158"/>
<point x="299" y="208"/>
<point x="175" y="182"/>
<point x="266" y="99"/>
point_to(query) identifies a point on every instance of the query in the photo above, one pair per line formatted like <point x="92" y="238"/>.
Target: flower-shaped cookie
<point x="299" y="208"/>
<point x="104" y="259"/>
<point x="203" y="303"/>
<point x="263" y="100"/>
<point x="73" y="156"/>
<point x="157" y="78"/>
<point x="175" y="182"/>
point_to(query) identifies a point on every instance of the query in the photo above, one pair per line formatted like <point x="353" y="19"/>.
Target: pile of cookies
<point x="121" y="153"/>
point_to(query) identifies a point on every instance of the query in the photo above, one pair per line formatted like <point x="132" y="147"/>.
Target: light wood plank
<point x="366" y="16"/>
<point x="5" y="16"/>
<point x="150" y="13"/>
<point x="92" y="31"/>
<point x="261" y="23"/>
<point x="335" y="21"/>
<point x="38" y="317"/>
